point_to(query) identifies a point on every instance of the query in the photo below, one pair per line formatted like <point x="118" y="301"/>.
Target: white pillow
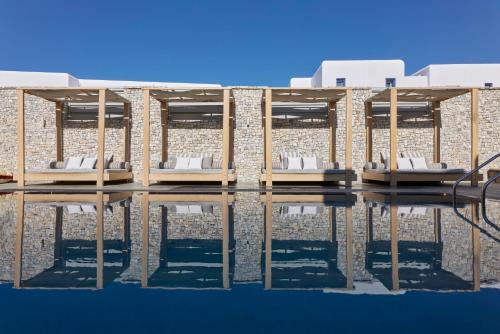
<point x="107" y="160"/>
<point x="195" y="209"/>
<point x="294" y="163"/>
<point x="309" y="210"/>
<point x="88" y="163"/>
<point x="183" y="209"/>
<point x="294" y="210"/>
<point x="182" y="163"/>
<point x="310" y="163"/>
<point x="419" y="163"/>
<point x="404" y="163"/>
<point x="74" y="162"/>
<point x="195" y="163"/>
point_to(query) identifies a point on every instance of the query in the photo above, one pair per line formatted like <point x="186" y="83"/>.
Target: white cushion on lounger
<point x="195" y="209"/>
<point x="310" y="163"/>
<point x="404" y="210"/>
<point x="182" y="163"/>
<point x="294" y="163"/>
<point x="419" y="210"/>
<point x="294" y="210"/>
<point x="418" y="163"/>
<point x="72" y="209"/>
<point x="74" y="163"/>
<point x="182" y="209"/>
<point x="310" y="210"/>
<point x="88" y="208"/>
<point x="88" y="163"/>
<point x="195" y="163"/>
<point x="404" y="163"/>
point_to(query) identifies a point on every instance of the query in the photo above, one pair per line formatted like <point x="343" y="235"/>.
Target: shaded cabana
<point x="308" y="264"/>
<point x="328" y="173"/>
<point x="434" y="96"/>
<point x="74" y="265"/>
<point x="62" y="96"/>
<point x="189" y="263"/>
<point x="189" y="97"/>
<point x="411" y="264"/>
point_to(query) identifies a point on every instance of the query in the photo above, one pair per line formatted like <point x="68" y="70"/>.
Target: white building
<point x="46" y="79"/>
<point x="387" y="73"/>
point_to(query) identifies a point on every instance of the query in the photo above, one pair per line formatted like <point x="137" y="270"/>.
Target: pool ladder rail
<point x="484" y="189"/>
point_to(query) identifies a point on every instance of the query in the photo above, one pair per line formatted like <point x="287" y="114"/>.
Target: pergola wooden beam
<point x="426" y="94"/>
<point x="348" y="139"/>
<point x="74" y="94"/>
<point x="20" y="138"/>
<point x="225" y="136"/>
<point x="393" y="136"/>
<point x="269" y="137"/>
<point x="59" y="131"/>
<point x="332" y="130"/>
<point x="147" y="138"/>
<point x="436" y="120"/>
<point x="369" y="131"/>
<point x="164" y="130"/>
<point x="474" y="141"/>
<point x="101" y="137"/>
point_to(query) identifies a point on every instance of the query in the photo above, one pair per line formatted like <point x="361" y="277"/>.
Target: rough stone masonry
<point x="307" y="136"/>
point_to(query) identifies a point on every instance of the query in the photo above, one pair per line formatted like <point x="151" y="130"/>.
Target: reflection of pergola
<point x="434" y="96"/>
<point x="330" y="96"/>
<point x="77" y="252"/>
<point x="395" y="262"/>
<point x="306" y="276"/>
<point x="201" y="272"/>
<point x="190" y="96"/>
<point x="77" y="95"/>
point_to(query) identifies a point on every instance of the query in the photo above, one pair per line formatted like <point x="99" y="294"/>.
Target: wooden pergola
<point x="223" y="199"/>
<point x="76" y="95"/>
<point x="99" y="199"/>
<point x="434" y="96"/>
<point x="329" y="96"/>
<point x="436" y="203"/>
<point x="332" y="201"/>
<point x="188" y="95"/>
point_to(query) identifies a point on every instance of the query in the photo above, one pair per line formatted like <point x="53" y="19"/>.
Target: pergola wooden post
<point x="474" y="134"/>
<point x="164" y="130"/>
<point x="348" y="139"/>
<point x="145" y="240"/>
<point x="146" y="134"/>
<point x="394" y="136"/>
<point x="59" y="131"/>
<point x="20" y="138"/>
<point x="332" y="131"/>
<point x="394" y="246"/>
<point x="99" y="240"/>
<point x="225" y="136"/>
<point x="101" y="128"/>
<point x="436" y="117"/>
<point x="127" y="121"/>
<point x="269" y="138"/>
<point x="369" y="131"/>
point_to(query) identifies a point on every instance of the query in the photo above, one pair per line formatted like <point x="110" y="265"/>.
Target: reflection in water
<point x="334" y="243"/>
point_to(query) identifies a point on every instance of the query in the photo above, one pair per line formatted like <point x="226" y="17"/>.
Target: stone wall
<point x="306" y="136"/>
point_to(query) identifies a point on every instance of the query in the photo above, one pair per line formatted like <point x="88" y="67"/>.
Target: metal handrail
<point x="469" y="174"/>
<point x="483" y="201"/>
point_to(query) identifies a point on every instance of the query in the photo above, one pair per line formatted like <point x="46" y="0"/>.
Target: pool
<point x="247" y="261"/>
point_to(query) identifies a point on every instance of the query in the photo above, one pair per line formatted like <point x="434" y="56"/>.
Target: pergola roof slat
<point x="79" y="95"/>
<point x="420" y="94"/>
<point x="188" y="94"/>
<point x="308" y="94"/>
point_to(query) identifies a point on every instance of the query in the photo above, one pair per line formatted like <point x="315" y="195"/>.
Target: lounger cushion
<point x="74" y="162"/>
<point x="404" y="163"/>
<point x="69" y="171"/>
<point x="88" y="163"/>
<point x="189" y="171"/>
<point x="309" y="163"/>
<point x="307" y="171"/>
<point x="182" y="163"/>
<point x="294" y="163"/>
<point x="419" y="163"/>
<point x="423" y="171"/>
<point x="195" y="163"/>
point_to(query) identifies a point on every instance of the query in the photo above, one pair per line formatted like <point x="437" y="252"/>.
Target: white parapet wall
<point x="473" y="75"/>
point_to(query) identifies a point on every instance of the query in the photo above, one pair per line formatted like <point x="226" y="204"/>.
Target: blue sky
<point x="239" y="42"/>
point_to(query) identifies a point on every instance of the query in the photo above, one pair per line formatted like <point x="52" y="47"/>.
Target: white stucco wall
<point x="461" y="74"/>
<point x="300" y="82"/>
<point x="36" y="79"/>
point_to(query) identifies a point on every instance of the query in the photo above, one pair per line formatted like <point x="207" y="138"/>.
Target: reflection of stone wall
<point x="301" y="227"/>
<point x="7" y="236"/>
